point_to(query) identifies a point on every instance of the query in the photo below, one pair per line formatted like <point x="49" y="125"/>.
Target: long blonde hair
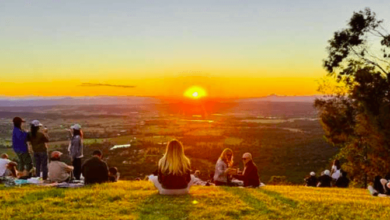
<point x="174" y="161"/>
<point x="224" y="157"/>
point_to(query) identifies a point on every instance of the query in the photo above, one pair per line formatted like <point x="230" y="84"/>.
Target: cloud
<point x="107" y="85"/>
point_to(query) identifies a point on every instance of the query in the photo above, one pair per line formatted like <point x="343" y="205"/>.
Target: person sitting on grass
<point x="378" y="189"/>
<point x="325" y="180"/>
<point x="95" y="170"/>
<point x="59" y="171"/>
<point x="312" y="180"/>
<point x="250" y="174"/>
<point x="343" y="180"/>
<point x="223" y="168"/>
<point x="7" y="167"/>
<point x="113" y="174"/>
<point x="174" y="171"/>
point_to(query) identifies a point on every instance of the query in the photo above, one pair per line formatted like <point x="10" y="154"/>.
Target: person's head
<point x="4" y="156"/>
<point x="227" y="156"/>
<point x="97" y="153"/>
<point x="196" y="173"/>
<point x="327" y="172"/>
<point x="76" y="128"/>
<point x="247" y="157"/>
<point x="18" y="122"/>
<point x="174" y="160"/>
<point x="55" y="155"/>
<point x="35" y="125"/>
<point x="112" y="171"/>
<point x="312" y="173"/>
<point x="343" y="173"/>
<point x="337" y="164"/>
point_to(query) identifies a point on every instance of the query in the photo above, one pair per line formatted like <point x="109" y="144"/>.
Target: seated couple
<point x="381" y="186"/>
<point x="224" y="173"/>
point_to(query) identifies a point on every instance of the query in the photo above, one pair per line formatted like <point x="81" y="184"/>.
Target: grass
<point x="139" y="200"/>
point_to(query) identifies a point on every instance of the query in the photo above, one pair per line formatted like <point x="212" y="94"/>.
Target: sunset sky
<point x="161" y="48"/>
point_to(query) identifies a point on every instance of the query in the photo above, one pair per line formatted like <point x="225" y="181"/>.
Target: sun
<point x="195" y="92"/>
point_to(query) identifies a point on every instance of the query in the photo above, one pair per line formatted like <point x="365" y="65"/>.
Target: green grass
<point x="139" y="200"/>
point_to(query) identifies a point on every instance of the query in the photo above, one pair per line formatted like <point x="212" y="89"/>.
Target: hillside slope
<point x="139" y="200"/>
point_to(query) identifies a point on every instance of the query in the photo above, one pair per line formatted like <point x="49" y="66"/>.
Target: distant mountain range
<point x="133" y="100"/>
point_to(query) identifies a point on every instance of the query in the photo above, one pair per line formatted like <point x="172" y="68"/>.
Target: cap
<point x="327" y="172"/>
<point x="18" y="120"/>
<point x="56" y="154"/>
<point x="312" y="174"/>
<point x="36" y="123"/>
<point x="76" y="127"/>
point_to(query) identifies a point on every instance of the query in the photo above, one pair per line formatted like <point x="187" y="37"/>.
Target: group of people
<point x="34" y="142"/>
<point x="336" y="177"/>
<point x="174" y="177"/>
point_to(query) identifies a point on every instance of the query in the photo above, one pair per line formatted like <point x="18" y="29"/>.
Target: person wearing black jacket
<point x="95" y="170"/>
<point x="250" y="174"/>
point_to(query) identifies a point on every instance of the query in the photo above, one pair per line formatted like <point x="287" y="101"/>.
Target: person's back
<point x="342" y="182"/>
<point x="324" y="180"/>
<point x="174" y="181"/>
<point x="4" y="166"/>
<point x="95" y="170"/>
<point x="311" y="181"/>
<point x="38" y="142"/>
<point x="59" y="171"/>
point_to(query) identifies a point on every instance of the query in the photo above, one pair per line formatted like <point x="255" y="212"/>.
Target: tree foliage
<point x="358" y="121"/>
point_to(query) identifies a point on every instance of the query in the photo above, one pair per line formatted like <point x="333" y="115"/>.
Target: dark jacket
<point x="170" y="181"/>
<point x="342" y="182"/>
<point x="250" y="175"/>
<point x="19" y="141"/>
<point x="325" y="181"/>
<point x="38" y="142"/>
<point x="95" y="170"/>
<point x="311" y="181"/>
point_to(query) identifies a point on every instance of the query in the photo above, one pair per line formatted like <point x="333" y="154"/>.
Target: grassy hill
<point x="139" y="200"/>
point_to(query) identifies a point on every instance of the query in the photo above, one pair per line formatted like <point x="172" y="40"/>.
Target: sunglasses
<point x="244" y="158"/>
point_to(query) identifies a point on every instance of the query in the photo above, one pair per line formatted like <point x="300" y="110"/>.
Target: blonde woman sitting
<point x="174" y="172"/>
<point x="223" y="168"/>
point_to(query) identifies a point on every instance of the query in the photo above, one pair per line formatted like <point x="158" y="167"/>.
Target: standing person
<point x="95" y="170"/>
<point x="336" y="170"/>
<point x="250" y="175"/>
<point x="174" y="171"/>
<point x="19" y="145"/>
<point x="38" y="141"/>
<point x="222" y="168"/>
<point x="325" y="180"/>
<point x="58" y="171"/>
<point x="7" y="167"/>
<point x="76" y="149"/>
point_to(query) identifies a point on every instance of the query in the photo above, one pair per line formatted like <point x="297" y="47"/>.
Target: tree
<point x="358" y="120"/>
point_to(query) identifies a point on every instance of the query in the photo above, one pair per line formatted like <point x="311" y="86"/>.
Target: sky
<point x="161" y="48"/>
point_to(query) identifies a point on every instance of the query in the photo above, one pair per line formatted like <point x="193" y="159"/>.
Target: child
<point x="113" y="174"/>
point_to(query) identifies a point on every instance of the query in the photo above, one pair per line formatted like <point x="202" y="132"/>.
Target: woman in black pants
<point x="76" y="149"/>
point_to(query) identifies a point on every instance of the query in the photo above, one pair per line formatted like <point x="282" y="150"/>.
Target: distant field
<point x="139" y="200"/>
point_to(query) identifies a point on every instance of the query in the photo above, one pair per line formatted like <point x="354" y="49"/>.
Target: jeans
<point x="41" y="164"/>
<point x="77" y="168"/>
<point x="25" y="162"/>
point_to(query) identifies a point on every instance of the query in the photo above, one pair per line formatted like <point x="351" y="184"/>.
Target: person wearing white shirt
<point x="7" y="167"/>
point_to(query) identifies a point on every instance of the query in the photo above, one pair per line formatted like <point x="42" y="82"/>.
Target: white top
<point x="335" y="172"/>
<point x="3" y="165"/>
<point x="220" y="174"/>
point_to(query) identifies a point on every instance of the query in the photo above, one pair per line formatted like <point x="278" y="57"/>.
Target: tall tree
<point x="358" y="121"/>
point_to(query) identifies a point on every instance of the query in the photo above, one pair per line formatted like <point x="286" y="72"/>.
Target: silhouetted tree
<point x="358" y="120"/>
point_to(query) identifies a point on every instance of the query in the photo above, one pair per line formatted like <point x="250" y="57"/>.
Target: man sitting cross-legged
<point x="58" y="170"/>
<point x="95" y="170"/>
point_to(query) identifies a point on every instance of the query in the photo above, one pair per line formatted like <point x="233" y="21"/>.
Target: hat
<point x="56" y="154"/>
<point x="76" y="127"/>
<point x="36" y="123"/>
<point x="312" y="173"/>
<point x="18" y="120"/>
<point x="327" y="172"/>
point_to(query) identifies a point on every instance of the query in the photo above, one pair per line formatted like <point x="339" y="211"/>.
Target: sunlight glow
<point x="195" y="92"/>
